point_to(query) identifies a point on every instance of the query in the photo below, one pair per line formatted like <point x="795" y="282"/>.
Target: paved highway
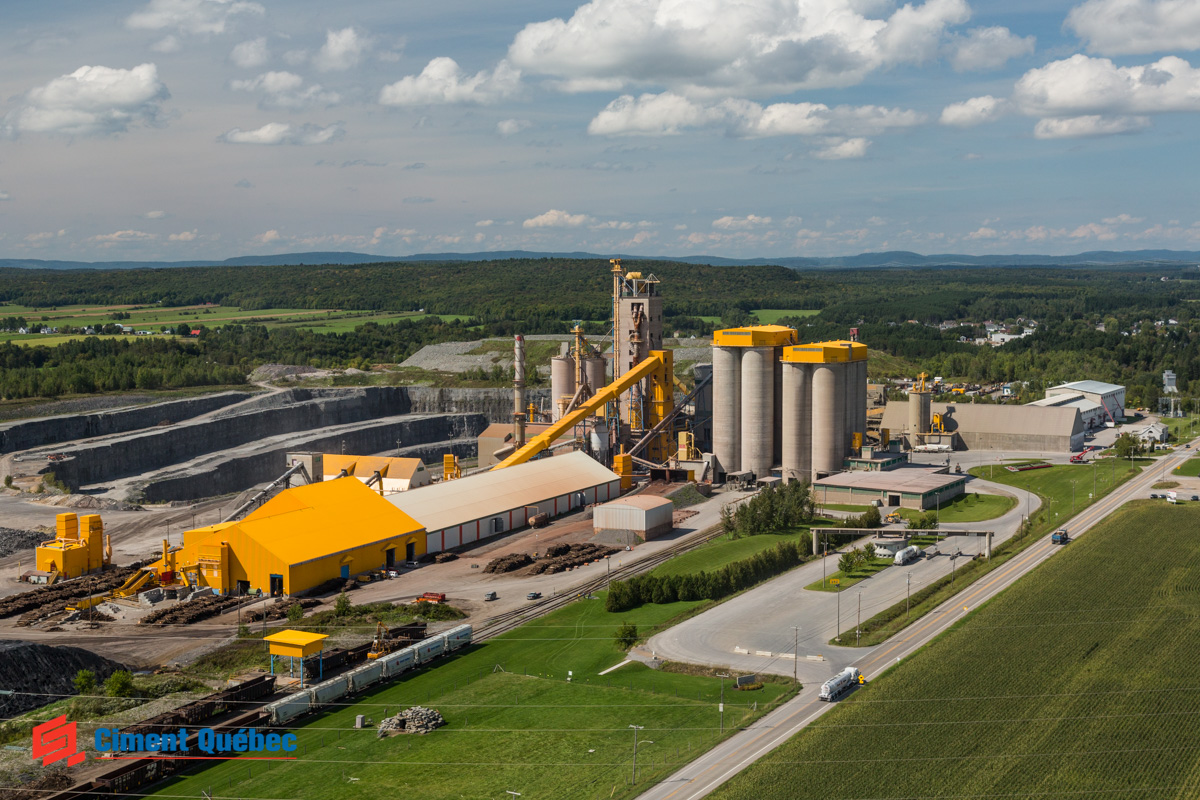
<point x="701" y="777"/>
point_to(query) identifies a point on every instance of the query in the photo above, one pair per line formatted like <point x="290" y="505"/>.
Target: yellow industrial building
<point x="395" y="474"/>
<point x="77" y="549"/>
<point x="299" y="539"/>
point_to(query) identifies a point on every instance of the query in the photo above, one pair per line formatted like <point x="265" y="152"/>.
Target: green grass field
<point x="1079" y="681"/>
<point x="845" y="581"/>
<point x="770" y="316"/>
<point x="970" y="507"/>
<point x="724" y="551"/>
<point x="346" y="324"/>
<point x="514" y="723"/>
<point x="1188" y="469"/>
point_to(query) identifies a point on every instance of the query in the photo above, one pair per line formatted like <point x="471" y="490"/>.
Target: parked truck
<point x="839" y="684"/>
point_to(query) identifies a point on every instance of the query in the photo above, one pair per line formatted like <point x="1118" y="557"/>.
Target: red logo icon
<point x="54" y="740"/>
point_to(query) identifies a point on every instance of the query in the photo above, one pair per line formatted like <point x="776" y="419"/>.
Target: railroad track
<point x="503" y="623"/>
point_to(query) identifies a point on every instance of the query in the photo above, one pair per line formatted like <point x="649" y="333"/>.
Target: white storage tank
<point x="562" y="382"/>
<point x="634" y="518"/>
<point x="596" y="372"/>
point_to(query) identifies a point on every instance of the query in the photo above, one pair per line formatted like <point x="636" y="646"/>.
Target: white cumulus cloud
<point x="556" y="219"/>
<point x="251" y="53"/>
<point x="191" y="16"/>
<point x="286" y="90"/>
<point x="847" y="148"/>
<point x="122" y="237"/>
<point x="740" y="223"/>
<point x="975" y="111"/>
<point x="443" y="81"/>
<point x="988" y="48"/>
<point x="5" y="196"/>
<point x="1129" y="27"/>
<point x="284" y="133"/>
<point x="168" y="44"/>
<point x="669" y="113"/>
<point x="1085" y="96"/>
<point x="342" y="50"/>
<point x="267" y="237"/>
<point x="1085" y="126"/>
<point x="763" y="47"/>
<point x="92" y="101"/>
<point x="184" y="236"/>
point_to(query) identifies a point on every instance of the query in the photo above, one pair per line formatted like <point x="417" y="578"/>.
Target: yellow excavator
<point x="379" y="645"/>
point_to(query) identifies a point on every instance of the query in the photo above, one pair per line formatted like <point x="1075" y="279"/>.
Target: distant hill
<point x="893" y="258"/>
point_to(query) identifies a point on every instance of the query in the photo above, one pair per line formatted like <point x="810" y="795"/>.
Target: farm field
<point x="514" y="722"/>
<point x="1077" y="681"/>
<point x="349" y="323"/>
<point x="769" y="316"/>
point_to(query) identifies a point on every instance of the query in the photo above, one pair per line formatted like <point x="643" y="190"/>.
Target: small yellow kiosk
<point x="296" y="644"/>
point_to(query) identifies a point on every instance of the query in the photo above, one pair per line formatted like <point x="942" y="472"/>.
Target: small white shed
<point x="645" y="518"/>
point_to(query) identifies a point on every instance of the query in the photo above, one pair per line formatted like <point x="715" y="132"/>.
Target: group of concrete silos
<point x="780" y="404"/>
<point x="562" y="379"/>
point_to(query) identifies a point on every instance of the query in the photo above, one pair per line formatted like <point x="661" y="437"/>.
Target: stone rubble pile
<point x="412" y="720"/>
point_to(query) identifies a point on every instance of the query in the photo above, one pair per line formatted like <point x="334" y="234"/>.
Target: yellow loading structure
<point x="299" y="539"/>
<point x="659" y="368"/>
<point x="78" y="548"/>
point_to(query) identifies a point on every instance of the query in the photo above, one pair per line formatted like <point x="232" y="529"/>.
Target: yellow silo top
<point x="755" y="336"/>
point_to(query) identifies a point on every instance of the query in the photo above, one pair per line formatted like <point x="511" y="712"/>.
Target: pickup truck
<point x="1060" y="537"/>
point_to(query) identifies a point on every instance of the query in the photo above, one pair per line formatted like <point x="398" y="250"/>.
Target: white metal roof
<point x="451" y="503"/>
<point x="645" y="502"/>
<point x="1091" y="387"/>
<point x="904" y="479"/>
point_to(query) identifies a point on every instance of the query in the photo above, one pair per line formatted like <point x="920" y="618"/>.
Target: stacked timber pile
<point x="412" y="720"/>
<point x="52" y="600"/>
<point x="576" y="556"/>
<point x="508" y="563"/>
<point x="191" y="611"/>
<point x="281" y="608"/>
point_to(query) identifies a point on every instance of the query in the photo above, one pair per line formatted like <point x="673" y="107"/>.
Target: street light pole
<point x="837" y="631"/>
<point x="858" y="623"/>
<point x="721" y="708"/>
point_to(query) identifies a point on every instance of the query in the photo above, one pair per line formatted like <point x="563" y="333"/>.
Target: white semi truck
<point x="839" y="684"/>
<point x="906" y="555"/>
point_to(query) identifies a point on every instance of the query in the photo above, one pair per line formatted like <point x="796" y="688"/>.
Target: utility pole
<point x="837" y="632"/>
<point x="908" y="598"/>
<point x="796" y="655"/>
<point x="636" y="728"/>
<point x="721" y="707"/>
<point x="858" y="622"/>
<point x="398" y="453"/>
<point x="1072" y="498"/>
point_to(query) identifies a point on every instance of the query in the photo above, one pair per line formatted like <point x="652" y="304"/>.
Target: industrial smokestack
<point x="519" y="389"/>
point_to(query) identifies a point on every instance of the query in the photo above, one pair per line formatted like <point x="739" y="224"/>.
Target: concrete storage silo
<point x="828" y="417"/>
<point x="796" y="422"/>
<point x="744" y="390"/>
<point x="562" y="382"/>
<point x="596" y="371"/>
<point x="860" y="401"/>
<point x="727" y="407"/>
<point x="704" y="408"/>
<point x="758" y="410"/>
<point x="856" y="391"/>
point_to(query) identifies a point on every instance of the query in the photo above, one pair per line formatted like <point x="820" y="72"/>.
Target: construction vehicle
<point x="1081" y="456"/>
<point x="432" y="597"/>
<point x="1060" y="537"/>
<point x="379" y="645"/>
<point x="892" y="518"/>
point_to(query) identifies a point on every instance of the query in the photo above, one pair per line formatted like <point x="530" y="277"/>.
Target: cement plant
<point x="663" y="534"/>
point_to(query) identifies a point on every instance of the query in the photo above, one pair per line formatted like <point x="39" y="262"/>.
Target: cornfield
<point x="1080" y="681"/>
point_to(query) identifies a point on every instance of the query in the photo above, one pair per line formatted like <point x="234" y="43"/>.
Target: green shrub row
<point x="651" y="588"/>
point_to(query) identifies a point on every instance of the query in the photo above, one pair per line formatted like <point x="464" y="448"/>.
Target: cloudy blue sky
<point x="179" y="129"/>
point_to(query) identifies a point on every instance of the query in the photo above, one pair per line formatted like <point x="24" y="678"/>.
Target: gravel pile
<point x="12" y="540"/>
<point x="412" y="720"/>
<point x="453" y="357"/>
<point x="442" y="558"/>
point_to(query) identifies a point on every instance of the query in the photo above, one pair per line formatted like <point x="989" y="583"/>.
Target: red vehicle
<point x="432" y="597"/>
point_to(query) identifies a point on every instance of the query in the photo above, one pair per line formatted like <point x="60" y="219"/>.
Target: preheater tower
<point x="745" y="371"/>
